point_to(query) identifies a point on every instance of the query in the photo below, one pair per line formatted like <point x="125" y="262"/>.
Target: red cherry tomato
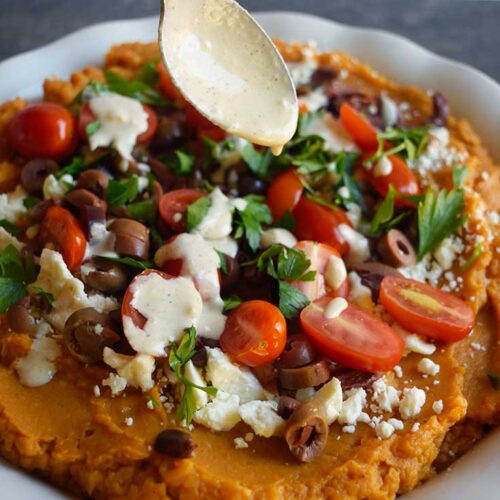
<point x="361" y="130"/>
<point x="284" y="193"/>
<point x="320" y="223"/>
<point x="401" y="177"/>
<point x="176" y="202"/>
<point x="127" y="308"/>
<point x="87" y="116"/>
<point x="355" y="338"/>
<point x="423" y="309"/>
<point x="319" y="254"/>
<point x="43" y="130"/>
<point x="61" y="228"/>
<point x="255" y="333"/>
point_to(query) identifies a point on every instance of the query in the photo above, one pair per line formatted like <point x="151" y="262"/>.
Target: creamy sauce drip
<point x="229" y="69"/>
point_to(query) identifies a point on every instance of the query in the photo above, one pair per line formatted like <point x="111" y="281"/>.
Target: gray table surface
<point x="466" y="30"/>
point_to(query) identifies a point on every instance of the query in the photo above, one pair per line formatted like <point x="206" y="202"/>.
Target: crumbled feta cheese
<point x="97" y="391"/>
<point x="193" y="375"/>
<point x="116" y="383"/>
<point x="314" y="100"/>
<point x="277" y="236"/>
<point x="411" y="403"/>
<point x="232" y="379"/>
<point x="54" y="189"/>
<point x="477" y="347"/>
<point x="390" y="113"/>
<point x="122" y="120"/>
<point x="261" y="416"/>
<point x="136" y="370"/>
<point x="68" y="291"/>
<point x="427" y="366"/>
<point x="398" y="371"/>
<point x="415" y="343"/>
<point x="349" y="429"/>
<point x="7" y="239"/>
<point x="386" y="396"/>
<point x="169" y="307"/>
<point x="396" y="423"/>
<point x="359" y="247"/>
<point x="301" y="72"/>
<point x="446" y="253"/>
<point x="38" y="366"/>
<point x="220" y="414"/>
<point x="384" y="430"/>
<point x="335" y="273"/>
<point x="415" y="427"/>
<point x="240" y="443"/>
<point x="335" y="307"/>
<point x="437" y="406"/>
<point x="352" y="407"/>
<point x="11" y="205"/>
<point x="129" y="421"/>
<point x="359" y="294"/>
<point x="330" y="398"/>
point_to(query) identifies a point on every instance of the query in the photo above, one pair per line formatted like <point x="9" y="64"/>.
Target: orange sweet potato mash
<point x="80" y="441"/>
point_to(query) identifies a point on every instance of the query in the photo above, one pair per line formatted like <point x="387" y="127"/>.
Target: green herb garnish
<point x="384" y="218"/>
<point x="46" y="295"/>
<point x="149" y="74"/>
<point x="286" y="221"/>
<point x="10" y="228"/>
<point x="248" y="222"/>
<point x="476" y="253"/>
<point x="143" y="211"/>
<point x="137" y="89"/>
<point x="196" y="212"/>
<point x="31" y="201"/>
<point x="292" y="300"/>
<point x="124" y="191"/>
<point x="222" y="261"/>
<point x="439" y="215"/>
<point x="182" y="162"/>
<point x="459" y="174"/>
<point x="92" y="127"/>
<point x="232" y="303"/>
<point x="179" y="355"/>
<point x="258" y="162"/>
<point x="129" y="261"/>
<point x="74" y="168"/>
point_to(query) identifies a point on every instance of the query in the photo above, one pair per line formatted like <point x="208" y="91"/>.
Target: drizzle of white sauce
<point x="335" y="307"/>
<point x="38" y="367"/>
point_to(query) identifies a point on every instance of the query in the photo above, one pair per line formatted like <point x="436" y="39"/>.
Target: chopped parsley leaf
<point x="292" y="300"/>
<point x="439" y="215"/>
<point x="196" y="211"/>
<point x="222" y="261"/>
<point x="48" y="296"/>
<point x="232" y="303"/>
<point x="124" y="191"/>
<point x="10" y="228"/>
<point x="248" y="222"/>
<point x="384" y="218"/>
<point x="92" y="127"/>
<point x="137" y="89"/>
<point x="74" y="168"/>
<point x="31" y="201"/>
<point x="129" y="261"/>
<point x="143" y="211"/>
<point x="182" y="162"/>
<point x="476" y="253"/>
<point x="459" y="174"/>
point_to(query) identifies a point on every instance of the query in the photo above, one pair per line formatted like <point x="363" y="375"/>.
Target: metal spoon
<point x="227" y="67"/>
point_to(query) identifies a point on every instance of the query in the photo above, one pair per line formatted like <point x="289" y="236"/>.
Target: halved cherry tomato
<point x="173" y="206"/>
<point x="423" y="309"/>
<point x="61" y="228"/>
<point x="355" y="338"/>
<point x="320" y="223"/>
<point x="194" y="118"/>
<point x="87" y="116"/>
<point x="284" y="193"/>
<point x="127" y="309"/>
<point x="255" y="333"/>
<point x="319" y="254"/>
<point x="361" y="130"/>
<point x="401" y="177"/>
<point x="43" y="130"/>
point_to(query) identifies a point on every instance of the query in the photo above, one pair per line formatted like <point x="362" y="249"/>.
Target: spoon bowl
<point x="227" y="67"/>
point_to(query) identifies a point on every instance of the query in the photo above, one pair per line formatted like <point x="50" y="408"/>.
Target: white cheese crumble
<point x="54" y="189"/>
<point x="335" y="307"/>
<point x="116" y="383"/>
<point x="428" y="367"/>
<point x="390" y="112"/>
<point x="398" y="371"/>
<point x="220" y="414"/>
<point x="386" y="396"/>
<point x="169" y="307"/>
<point x="38" y="366"/>
<point x="437" y="406"/>
<point x="68" y="291"/>
<point x="415" y="343"/>
<point x="232" y="379"/>
<point x="448" y="250"/>
<point x="352" y="407"/>
<point x="97" y="391"/>
<point x="359" y="247"/>
<point x="412" y="402"/>
<point x="277" y="236"/>
<point x="122" y="120"/>
<point x="415" y="427"/>
<point x="384" y="430"/>
<point x="335" y="273"/>
<point x="7" y="239"/>
<point x="129" y="421"/>
<point x="330" y="398"/>
<point x="261" y="416"/>
<point x="136" y="370"/>
<point x="301" y="72"/>
<point x="193" y="375"/>
<point x="12" y="206"/>
<point x="240" y="443"/>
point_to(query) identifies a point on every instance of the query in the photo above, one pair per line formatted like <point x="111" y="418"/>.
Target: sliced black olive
<point x="312" y="375"/>
<point x="372" y="274"/>
<point x="175" y="443"/>
<point x="20" y="318"/>
<point x="95" y="181"/>
<point x="35" y="172"/>
<point x="298" y="352"/>
<point x="87" y="332"/>
<point x="307" y="431"/>
<point x="396" y="249"/>
<point x="286" y="406"/>
<point x="106" y="276"/>
<point x="131" y="238"/>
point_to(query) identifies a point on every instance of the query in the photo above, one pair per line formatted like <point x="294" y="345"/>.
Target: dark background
<point x="466" y="30"/>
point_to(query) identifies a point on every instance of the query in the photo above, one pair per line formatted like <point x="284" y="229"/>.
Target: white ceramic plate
<point x="471" y="93"/>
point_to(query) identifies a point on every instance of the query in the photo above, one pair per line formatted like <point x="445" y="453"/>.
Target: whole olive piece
<point x="174" y="443"/>
<point x="94" y="180"/>
<point x="250" y="184"/>
<point x="307" y="431"/>
<point x="131" y="238"/>
<point x="106" y="276"/>
<point x="298" y="352"/>
<point x="396" y="249"/>
<point x="20" y="318"/>
<point x="87" y="332"/>
<point x="80" y="198"/>
<point x="35" y="172"/>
